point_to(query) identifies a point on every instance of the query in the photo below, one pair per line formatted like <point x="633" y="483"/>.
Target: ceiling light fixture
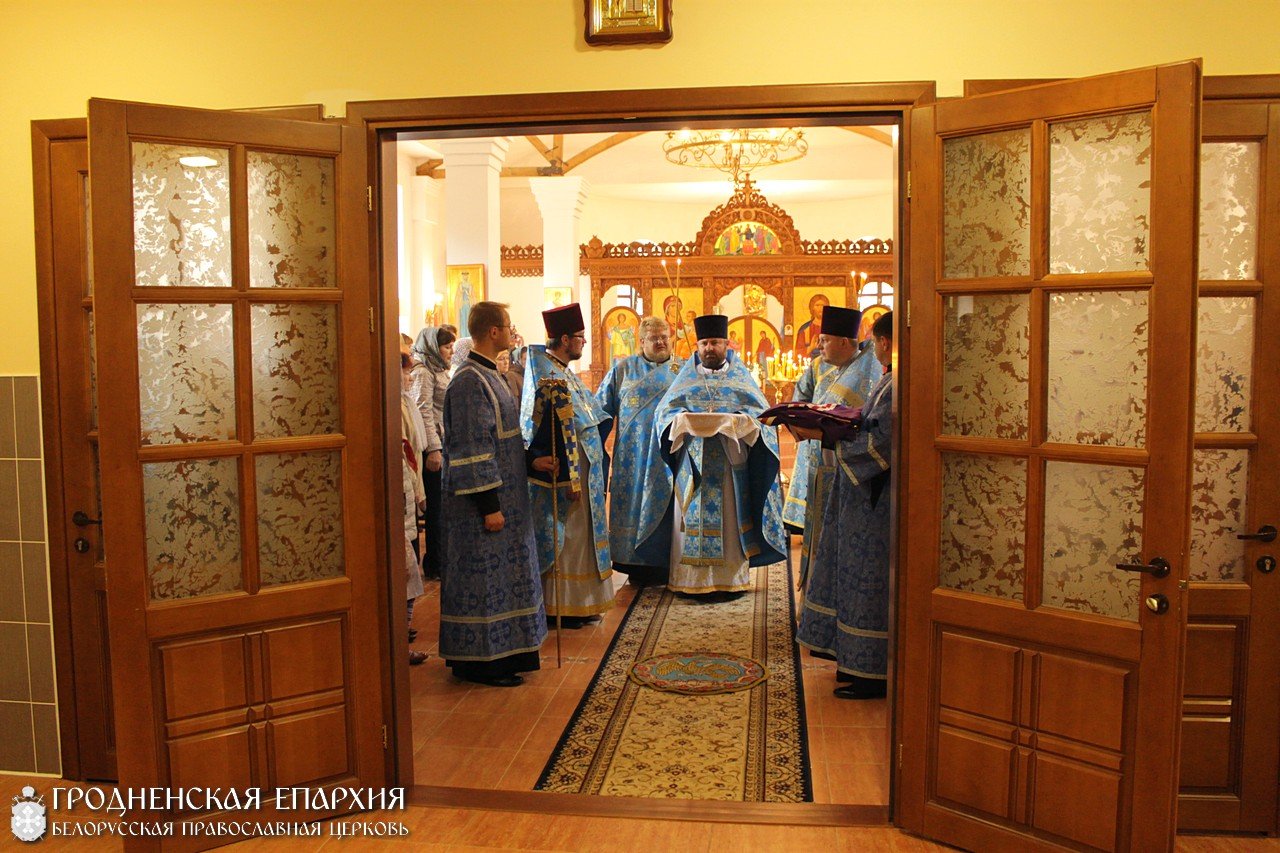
<point x="735" y="152"/>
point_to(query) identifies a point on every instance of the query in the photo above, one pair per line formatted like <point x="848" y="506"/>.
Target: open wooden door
<point x="235" y="347"/>
<point x="1231" y="706"/>
<point x="1049" y="431"/>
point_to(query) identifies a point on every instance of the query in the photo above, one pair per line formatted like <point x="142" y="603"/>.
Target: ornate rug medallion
<point x="698" y="673"/>
<point x="664" y="717"/>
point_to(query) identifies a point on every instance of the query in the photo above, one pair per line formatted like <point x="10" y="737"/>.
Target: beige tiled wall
<point x="28" y="709"/>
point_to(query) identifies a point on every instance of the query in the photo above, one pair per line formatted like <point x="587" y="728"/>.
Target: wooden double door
<point x="1047" y="436"/>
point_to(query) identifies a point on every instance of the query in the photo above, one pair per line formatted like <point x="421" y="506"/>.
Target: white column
<point x="473" y="226"/>
<point x="560" y="201"/>
<point x="427" y="236"/>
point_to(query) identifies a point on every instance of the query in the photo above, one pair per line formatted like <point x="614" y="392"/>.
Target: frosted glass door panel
<point x="1098" y="368"/>
<point x="295" y="369"/>
<point x="1100" y="194"/>
<point x="1092" y="520"/>
<point x="986" y="197"/>
<point x="181" y="216"/>
<point x="193" y="527"/>
<point x="984" y="510"/>
<point x="186" y="373"/>
<point x="1230" y="183"/>
<point x="986" y="350"/>
<point x="1224" y="363"/>
<point x="291" y="220"/>
<point x="1219" y="490"/>
<point x="299" y="516"/>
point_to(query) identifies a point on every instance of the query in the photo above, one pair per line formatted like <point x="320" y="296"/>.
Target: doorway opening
<point x="596" y="215"/>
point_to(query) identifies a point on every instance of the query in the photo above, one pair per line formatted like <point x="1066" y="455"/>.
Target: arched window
<point x="875" y="293"/>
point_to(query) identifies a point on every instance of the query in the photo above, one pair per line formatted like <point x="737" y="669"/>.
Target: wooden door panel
<point x="1231" y="697"/>
<point x="1052" y="270"/>
<point x="250" y="647"/>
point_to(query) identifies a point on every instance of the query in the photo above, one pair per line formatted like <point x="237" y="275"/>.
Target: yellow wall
<point x="55" y="54"/>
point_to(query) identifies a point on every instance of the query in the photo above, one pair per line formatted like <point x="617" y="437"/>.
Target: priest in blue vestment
<point x="639" y="544"/>
<point x="843" y="374"/>
<point x="492" y="620"/>
<point x="727" y="515"/>
<point x="561" y="421"/>
<point x="845" y="615"/>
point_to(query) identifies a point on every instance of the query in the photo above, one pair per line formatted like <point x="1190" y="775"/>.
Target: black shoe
<point x="498" y="680"/>
<point x="569" y="623"/>
<point x="862" y="688"/>
<point x="416" y="657"/>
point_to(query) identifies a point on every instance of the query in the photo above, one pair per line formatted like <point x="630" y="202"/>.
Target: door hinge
<point x="384" y="737"/>
<point x="908" y="313"/>
<point x="368" y="195"/>
<point x="384" y="728"/>
<point x="908" y="184"/>
<point x="371" y="329"/>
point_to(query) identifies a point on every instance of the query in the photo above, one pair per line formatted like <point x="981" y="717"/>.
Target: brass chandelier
<point x="735" y="152"/>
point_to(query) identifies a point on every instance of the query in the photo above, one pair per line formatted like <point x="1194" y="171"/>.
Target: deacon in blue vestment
<point x="562" y="421"/>
<point x="728" y="505"/>
<point x="492" y="620"/>
<point x="639" y="544"/>
<point x="846" y="606"/>
<point x="843" y="374"/>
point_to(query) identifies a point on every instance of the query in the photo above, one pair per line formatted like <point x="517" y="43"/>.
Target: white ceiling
<point x="841" y="164"/>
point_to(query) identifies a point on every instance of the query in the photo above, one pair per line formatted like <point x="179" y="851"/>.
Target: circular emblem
<point x="698" y="673"/>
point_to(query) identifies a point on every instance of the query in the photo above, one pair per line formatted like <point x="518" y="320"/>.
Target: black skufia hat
<point x="565" y="320"/>
<point x="840" y="322"/>
<point x="711" y="326"/>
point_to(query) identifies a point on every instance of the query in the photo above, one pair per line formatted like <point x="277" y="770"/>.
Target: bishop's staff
<point x="555" y="397"/>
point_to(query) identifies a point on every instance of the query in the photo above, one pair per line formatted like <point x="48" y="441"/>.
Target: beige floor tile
<point x="858" y="784"/>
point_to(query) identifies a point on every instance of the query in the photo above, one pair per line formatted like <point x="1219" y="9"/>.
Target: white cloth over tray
<point x="737" y="431"/>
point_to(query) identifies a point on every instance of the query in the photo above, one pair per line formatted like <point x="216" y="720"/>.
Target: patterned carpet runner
<point x="694" y="701"/>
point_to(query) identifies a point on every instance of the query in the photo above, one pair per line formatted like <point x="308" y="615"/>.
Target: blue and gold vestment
<point x="846" y="603"/>
<point x="629" y="396"/>
<point x="699" y="464"/>
<point x="560" y="417"/>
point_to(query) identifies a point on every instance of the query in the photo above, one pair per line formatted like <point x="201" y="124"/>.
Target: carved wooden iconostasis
<point x="748" y="261"/>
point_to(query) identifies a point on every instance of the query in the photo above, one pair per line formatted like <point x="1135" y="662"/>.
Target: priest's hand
<point x="575" y="495"/>
<point x="435" y="460"/>
<point x="546" y="464"/>
<point x="800" y="433"/>
<point x="494" y="521"/>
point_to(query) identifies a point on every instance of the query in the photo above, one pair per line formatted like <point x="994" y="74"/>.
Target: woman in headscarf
<point x="413" y="440"/>
<point x="432" y="351"/>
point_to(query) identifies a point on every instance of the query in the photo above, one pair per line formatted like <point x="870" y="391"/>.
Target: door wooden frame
<point x="521" y="114"/>
<point x="43" y="136"/>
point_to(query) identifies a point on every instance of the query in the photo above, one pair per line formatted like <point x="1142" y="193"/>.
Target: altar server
<point x="561" y="421"/>
<point x="728" y="506"/>
<point x="846" y="607"/>
<point x="492" y="620"/>
<point x="640" y="544"/>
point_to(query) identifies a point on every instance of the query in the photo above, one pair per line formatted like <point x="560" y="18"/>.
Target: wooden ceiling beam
<point x="430" y="168"/>
<point x="599" y="148"/>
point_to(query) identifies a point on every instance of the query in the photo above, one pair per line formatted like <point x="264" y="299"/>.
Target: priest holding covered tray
<point x="728" y="506"/>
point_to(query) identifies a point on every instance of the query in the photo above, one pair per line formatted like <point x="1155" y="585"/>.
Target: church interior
<point x="629" y="225"/>
<point x="1069" y="209"/>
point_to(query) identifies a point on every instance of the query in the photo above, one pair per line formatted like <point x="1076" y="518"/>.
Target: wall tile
<point x="35" y="581"/>
<point x="40" y="656"/>
<point x="26" y="414"/>
<point x="9" y="500"/>
<point x="17" y="751"/>
<point x="31" y="499"/>
<point x="48" y="750"/>
<point x="15" y="684"/>
<point x="11" y="600"/>
<point x="8" y="442"/>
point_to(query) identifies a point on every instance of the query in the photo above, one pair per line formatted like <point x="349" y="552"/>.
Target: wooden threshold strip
<point x="643" y="808"/>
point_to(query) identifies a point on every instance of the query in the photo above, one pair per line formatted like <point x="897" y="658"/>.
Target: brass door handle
<point x="1158" y="567"/>
<point x="1266" y="533"/>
